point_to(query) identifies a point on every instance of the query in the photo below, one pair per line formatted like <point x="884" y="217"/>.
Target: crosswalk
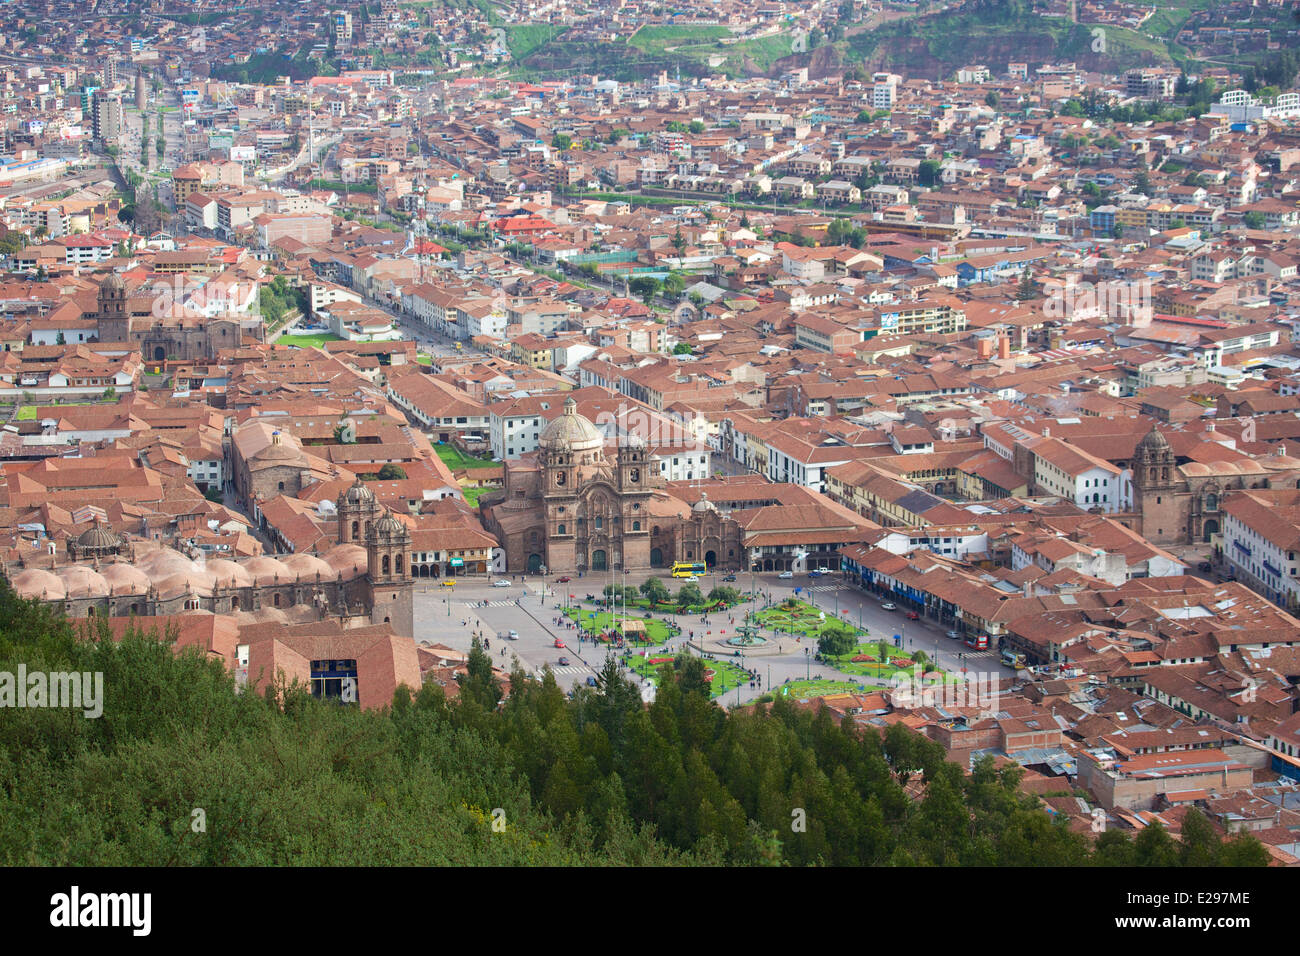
<point x="490" y="603"/>
<point x="568" y="669"/>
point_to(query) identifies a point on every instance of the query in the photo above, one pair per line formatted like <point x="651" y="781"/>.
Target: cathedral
<point x="364" y="579"/>
<point x="163" y="330"/>
<point x="1180" y="501"/>
<point x="568" y="508"/>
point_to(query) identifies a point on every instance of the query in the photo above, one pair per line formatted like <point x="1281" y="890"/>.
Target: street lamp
<point x="807" y="664"/>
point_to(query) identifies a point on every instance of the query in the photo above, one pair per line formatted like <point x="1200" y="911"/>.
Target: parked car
<point x="954" y="635"/>
<point x="729" y="577"/>
<point x="564" y="662"/>
<point x="785" y="575"/>
<point x="512" y="635"/>
<point x="913" y="616"/>
<point x="501" y="584"/>
<point x="1204" y="566"/>
<point x="889" y="606"/>
<point x="816" y="572"/>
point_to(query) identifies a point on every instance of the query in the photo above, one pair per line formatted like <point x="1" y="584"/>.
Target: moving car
<point x="913" y="616"/>
<point x="449" y="583"/>
<point x="954" y="635"/>
<point x="889" y="606"/>
<point x="501" y="584"/>
<point x="512" y="635"/>
<point x="564" y="580"/>
<point x="559" y="643"/>
<point x="817" y="572"/>
<point x="564" y="662"/>
<point x="785" y="575"/>
<point x="729" y="577"/>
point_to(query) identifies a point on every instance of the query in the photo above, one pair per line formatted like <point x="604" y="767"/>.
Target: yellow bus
<point x="686" y="569"/>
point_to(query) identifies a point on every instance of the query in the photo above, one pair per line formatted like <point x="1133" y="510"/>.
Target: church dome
<point x="359" y="494"/>
<point x="113" y="283"/>
<point x="36" y="583"/>
<point x="571" y="432"/>
<point x="1279" y="460"/>
<point x="1153" y="442"/>
<point x="81" y="581"/>
<point x="388" y="526"/>
<point x="98" y="538"/>
<point x="704" y="504"/>
<point x="126" y="579"/>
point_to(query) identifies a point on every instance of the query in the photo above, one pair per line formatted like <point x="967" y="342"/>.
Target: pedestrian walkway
<point x="567" y="669"/>
<point x="510" y="603"/>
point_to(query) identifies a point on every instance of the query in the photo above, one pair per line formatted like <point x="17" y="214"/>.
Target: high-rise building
<point x="106" y="117"/>
<point x="342" y="28"/>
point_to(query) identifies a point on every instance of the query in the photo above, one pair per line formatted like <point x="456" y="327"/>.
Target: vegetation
<point x="596" y="779"/>
<point x="458" y="460"/>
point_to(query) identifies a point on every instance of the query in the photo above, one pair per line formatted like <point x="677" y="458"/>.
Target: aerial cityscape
<point x="606" y="432"/>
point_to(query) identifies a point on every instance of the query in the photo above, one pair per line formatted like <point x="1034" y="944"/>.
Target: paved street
<point x="451" y="616"/>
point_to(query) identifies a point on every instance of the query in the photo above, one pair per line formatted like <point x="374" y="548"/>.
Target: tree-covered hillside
<point x="599" y="779"/>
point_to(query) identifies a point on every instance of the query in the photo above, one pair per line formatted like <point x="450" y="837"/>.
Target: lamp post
<point x="807" y="665"/>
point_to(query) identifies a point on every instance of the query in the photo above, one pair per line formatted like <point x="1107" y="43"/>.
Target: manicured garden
<point x="818" y="687"/>
<point x="865" y="660"/>
<point x="722" y="675"/>
<point x="656" y="632"/>
<point x="797" y="617"/>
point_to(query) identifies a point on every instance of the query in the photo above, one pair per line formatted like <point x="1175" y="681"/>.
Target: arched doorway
<point x="160" y="354"/>
<point x="1211" y="528"/>
<point x="656" y="557"/>
<point x="534" y="563"/>
<point x="598" y="560"/>
<point x="710" y="558"/>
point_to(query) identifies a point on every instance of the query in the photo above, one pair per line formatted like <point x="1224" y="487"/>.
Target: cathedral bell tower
<point x="388" y="559"/>
<point x="113" y="321"/>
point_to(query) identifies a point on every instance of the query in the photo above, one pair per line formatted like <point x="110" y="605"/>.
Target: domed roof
<point x="358" y="493"/>
<point x="388" y="526"/>
<point x="98" y="537"/>
<point x="704" y="504"/>
<point x="307" y="566"/>
<point x="1280" y="460"/>
<point x="571" y="432"/>
<point x="35" y="583"/>
<point x="1154" y="441"/>
<point x="81" y="581"/>
<point x="164" y="562"/>
<point x="348" y="560"/>
<point x="126" y="578"/>
<point x="112" y="282"/>
<point x="268" y="571"/>
<point x="185" y="582"/>
<point x="228" y="574"/>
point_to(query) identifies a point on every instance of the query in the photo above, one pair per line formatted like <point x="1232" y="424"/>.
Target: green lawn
<point x="877" y="669"/>
<point x="424" y="359"/>
<point x="656" y="39"/>
<point x="803" y="619"/>
<point x="472" y="495"/>
<point x="27" y="413"/>
<point x="454" y="458"/>
<point x="657" y="632"/>
<point x="820" y="687"/>
<point x="726" y="675"/>
<point x="308" y="341"/>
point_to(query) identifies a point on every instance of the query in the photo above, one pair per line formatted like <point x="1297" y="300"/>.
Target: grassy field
<point x="821" y="687"/>
<point x="424" y="359"/>
<point x="308" y="341"/>
<point x="27" y="413"/>
<point x="472" y="495"/>
<point x="523" y="38"/>
<point x="657" y="39"/>
<point x="454" y="458"/>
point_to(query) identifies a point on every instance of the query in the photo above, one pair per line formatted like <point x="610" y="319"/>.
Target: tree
<point x="836" y="640"/>
<point x="928" y="174"/>
<point x="1253" y="219"/>
<point x="655" y="591"/>
<point x="724" y="595"/>
<point x="679" y="241"/>
<point x="682" y="348"/>
<point x="562" y="141"/>
<point x="647" y="287"/>
<point x="391" y="472"/>
<point x="690" y="595"/>
<point x="1025" y="290"/>
<point x="992" y="99"/>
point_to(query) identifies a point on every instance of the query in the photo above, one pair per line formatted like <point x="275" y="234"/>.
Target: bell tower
<point x="113" y="320"/>
<point x="357" y="511"/>
<point x="389" y="587"/>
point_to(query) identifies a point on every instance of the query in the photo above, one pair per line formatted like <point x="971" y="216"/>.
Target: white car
<point x="512" y="635"/>
<point x="501" y="584"/>
<point x="785" y="575"/>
